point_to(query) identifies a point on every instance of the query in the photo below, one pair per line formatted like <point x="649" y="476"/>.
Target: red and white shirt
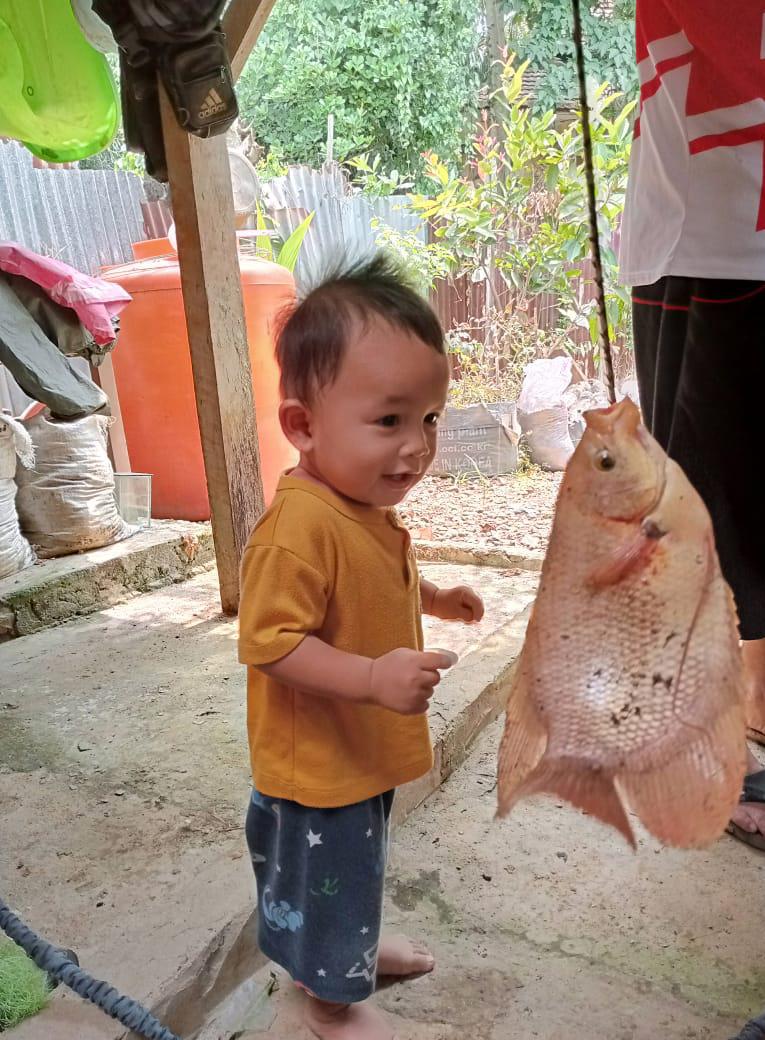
<point x="696" y="196"/>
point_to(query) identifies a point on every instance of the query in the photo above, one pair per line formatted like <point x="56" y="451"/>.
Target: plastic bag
<point x="95" y="301"/>
<point x="549" y="442"/>
<point x="66" y="503"/>
<point x="15" y="551"/>
<point x="580" y="398"/>
<point x="544" y="383"/>
<point x="543" y="414"/>
<point x="629" y="388"/>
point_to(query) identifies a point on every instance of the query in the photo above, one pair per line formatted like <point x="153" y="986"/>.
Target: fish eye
<point x="605" y="461"/>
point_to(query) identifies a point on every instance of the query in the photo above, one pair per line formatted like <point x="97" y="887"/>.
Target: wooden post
<point x="203" y="210"/>
<point x="242" y="23"/>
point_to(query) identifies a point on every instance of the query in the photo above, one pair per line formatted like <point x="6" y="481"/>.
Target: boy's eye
<point x="432" y="419"/>
<point x="388" y="420"/>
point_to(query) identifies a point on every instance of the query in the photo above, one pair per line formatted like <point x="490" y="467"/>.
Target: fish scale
<point x="629" y="693"/>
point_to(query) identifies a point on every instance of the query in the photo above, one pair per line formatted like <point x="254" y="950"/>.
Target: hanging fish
<point x="629" y="691"/>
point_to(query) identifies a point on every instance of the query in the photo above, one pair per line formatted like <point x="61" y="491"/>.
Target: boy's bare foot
<point x="347" y="1021"/>
<point x="397" y="955"/>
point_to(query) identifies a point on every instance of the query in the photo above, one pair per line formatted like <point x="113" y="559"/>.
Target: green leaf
<point x="609" y="257"/>
<point x="441" y="173"/>
<point x="263" y="247"/>
<point x="288" y="254"/>
<point x="400" y="78"/>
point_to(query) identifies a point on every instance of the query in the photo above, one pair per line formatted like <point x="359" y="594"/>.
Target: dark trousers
<point x="700" y="355"/>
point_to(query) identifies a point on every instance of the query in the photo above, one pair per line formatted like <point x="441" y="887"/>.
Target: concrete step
<point x="55" y="591"/>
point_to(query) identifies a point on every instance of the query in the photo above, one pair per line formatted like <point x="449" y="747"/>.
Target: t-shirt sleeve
<point x="283" y="599"/>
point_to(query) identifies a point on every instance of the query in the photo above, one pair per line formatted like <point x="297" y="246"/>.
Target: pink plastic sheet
<point x="94" y="301"/>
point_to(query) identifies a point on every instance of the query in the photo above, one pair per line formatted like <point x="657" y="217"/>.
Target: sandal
<point x="754" y="792"/>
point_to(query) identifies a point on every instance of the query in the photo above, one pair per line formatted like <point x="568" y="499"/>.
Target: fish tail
<point x="576" y="781"/>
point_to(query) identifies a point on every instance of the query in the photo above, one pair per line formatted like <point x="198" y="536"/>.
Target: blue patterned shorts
<point x="320" y="876"/>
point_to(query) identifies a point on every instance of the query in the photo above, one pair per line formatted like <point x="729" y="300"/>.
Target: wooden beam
<point x="203" y="210"/>
<point x="243" y="23"/>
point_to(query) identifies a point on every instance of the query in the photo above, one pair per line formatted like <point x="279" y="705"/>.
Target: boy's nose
<point x="416" y="447"/>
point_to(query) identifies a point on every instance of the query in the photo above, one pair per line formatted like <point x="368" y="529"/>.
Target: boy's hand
<point x="458" y="604"/>
<point x="403" y="680"/>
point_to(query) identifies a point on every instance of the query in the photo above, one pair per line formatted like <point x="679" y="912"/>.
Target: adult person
<point x="693" y="249"/>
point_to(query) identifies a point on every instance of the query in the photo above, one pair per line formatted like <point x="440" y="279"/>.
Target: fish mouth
<point x="625" y="416"/>
<point x="605" y="421"/>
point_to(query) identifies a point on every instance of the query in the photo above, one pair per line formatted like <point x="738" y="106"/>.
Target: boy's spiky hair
<point x="314" y="334"/>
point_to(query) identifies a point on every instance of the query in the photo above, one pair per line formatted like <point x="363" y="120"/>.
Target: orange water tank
<point x="152" y="368"/>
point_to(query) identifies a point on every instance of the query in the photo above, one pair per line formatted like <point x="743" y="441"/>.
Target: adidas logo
<point x="212" y="105"/>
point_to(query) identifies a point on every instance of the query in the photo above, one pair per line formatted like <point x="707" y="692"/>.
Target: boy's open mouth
<point x="400" y="480"/>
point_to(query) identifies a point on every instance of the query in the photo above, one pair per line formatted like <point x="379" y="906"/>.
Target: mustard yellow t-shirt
<point x="318" y="564"/>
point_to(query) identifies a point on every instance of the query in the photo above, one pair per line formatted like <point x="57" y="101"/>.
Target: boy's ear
<point x="297" y="423"/>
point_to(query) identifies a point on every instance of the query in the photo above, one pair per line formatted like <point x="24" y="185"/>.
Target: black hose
<point x="61" y="967"/>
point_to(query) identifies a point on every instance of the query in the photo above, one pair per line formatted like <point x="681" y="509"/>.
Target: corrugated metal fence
<point x="459" y="301"/>
<point x="342" y="225"/>
<point x="90" y="218"/>
<point x="87" y="218"/>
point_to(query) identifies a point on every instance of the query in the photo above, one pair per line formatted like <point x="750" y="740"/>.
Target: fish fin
<point x="685" y="799"/>
<point x="588" y="789"/>
<point x="631" y="556"/>
<point x="687" y="803"/>
<point x="524" y="739"/>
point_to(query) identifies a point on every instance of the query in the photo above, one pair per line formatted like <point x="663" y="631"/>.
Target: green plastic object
<point x="57" y="95"/>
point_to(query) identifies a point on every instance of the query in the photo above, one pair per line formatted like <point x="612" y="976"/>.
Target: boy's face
<point x="371" y="435"/>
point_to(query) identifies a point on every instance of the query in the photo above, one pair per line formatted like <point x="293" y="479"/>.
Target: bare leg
<point x="754" y="663"/>
<point x="347" y="1021"/>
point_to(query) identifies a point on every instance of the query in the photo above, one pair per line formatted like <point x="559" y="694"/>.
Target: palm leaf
<point x="288" y="254"/>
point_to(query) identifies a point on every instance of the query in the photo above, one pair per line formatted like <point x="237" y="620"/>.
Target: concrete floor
<point x="547" y="925"/>
<point x="124" y="778"/>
